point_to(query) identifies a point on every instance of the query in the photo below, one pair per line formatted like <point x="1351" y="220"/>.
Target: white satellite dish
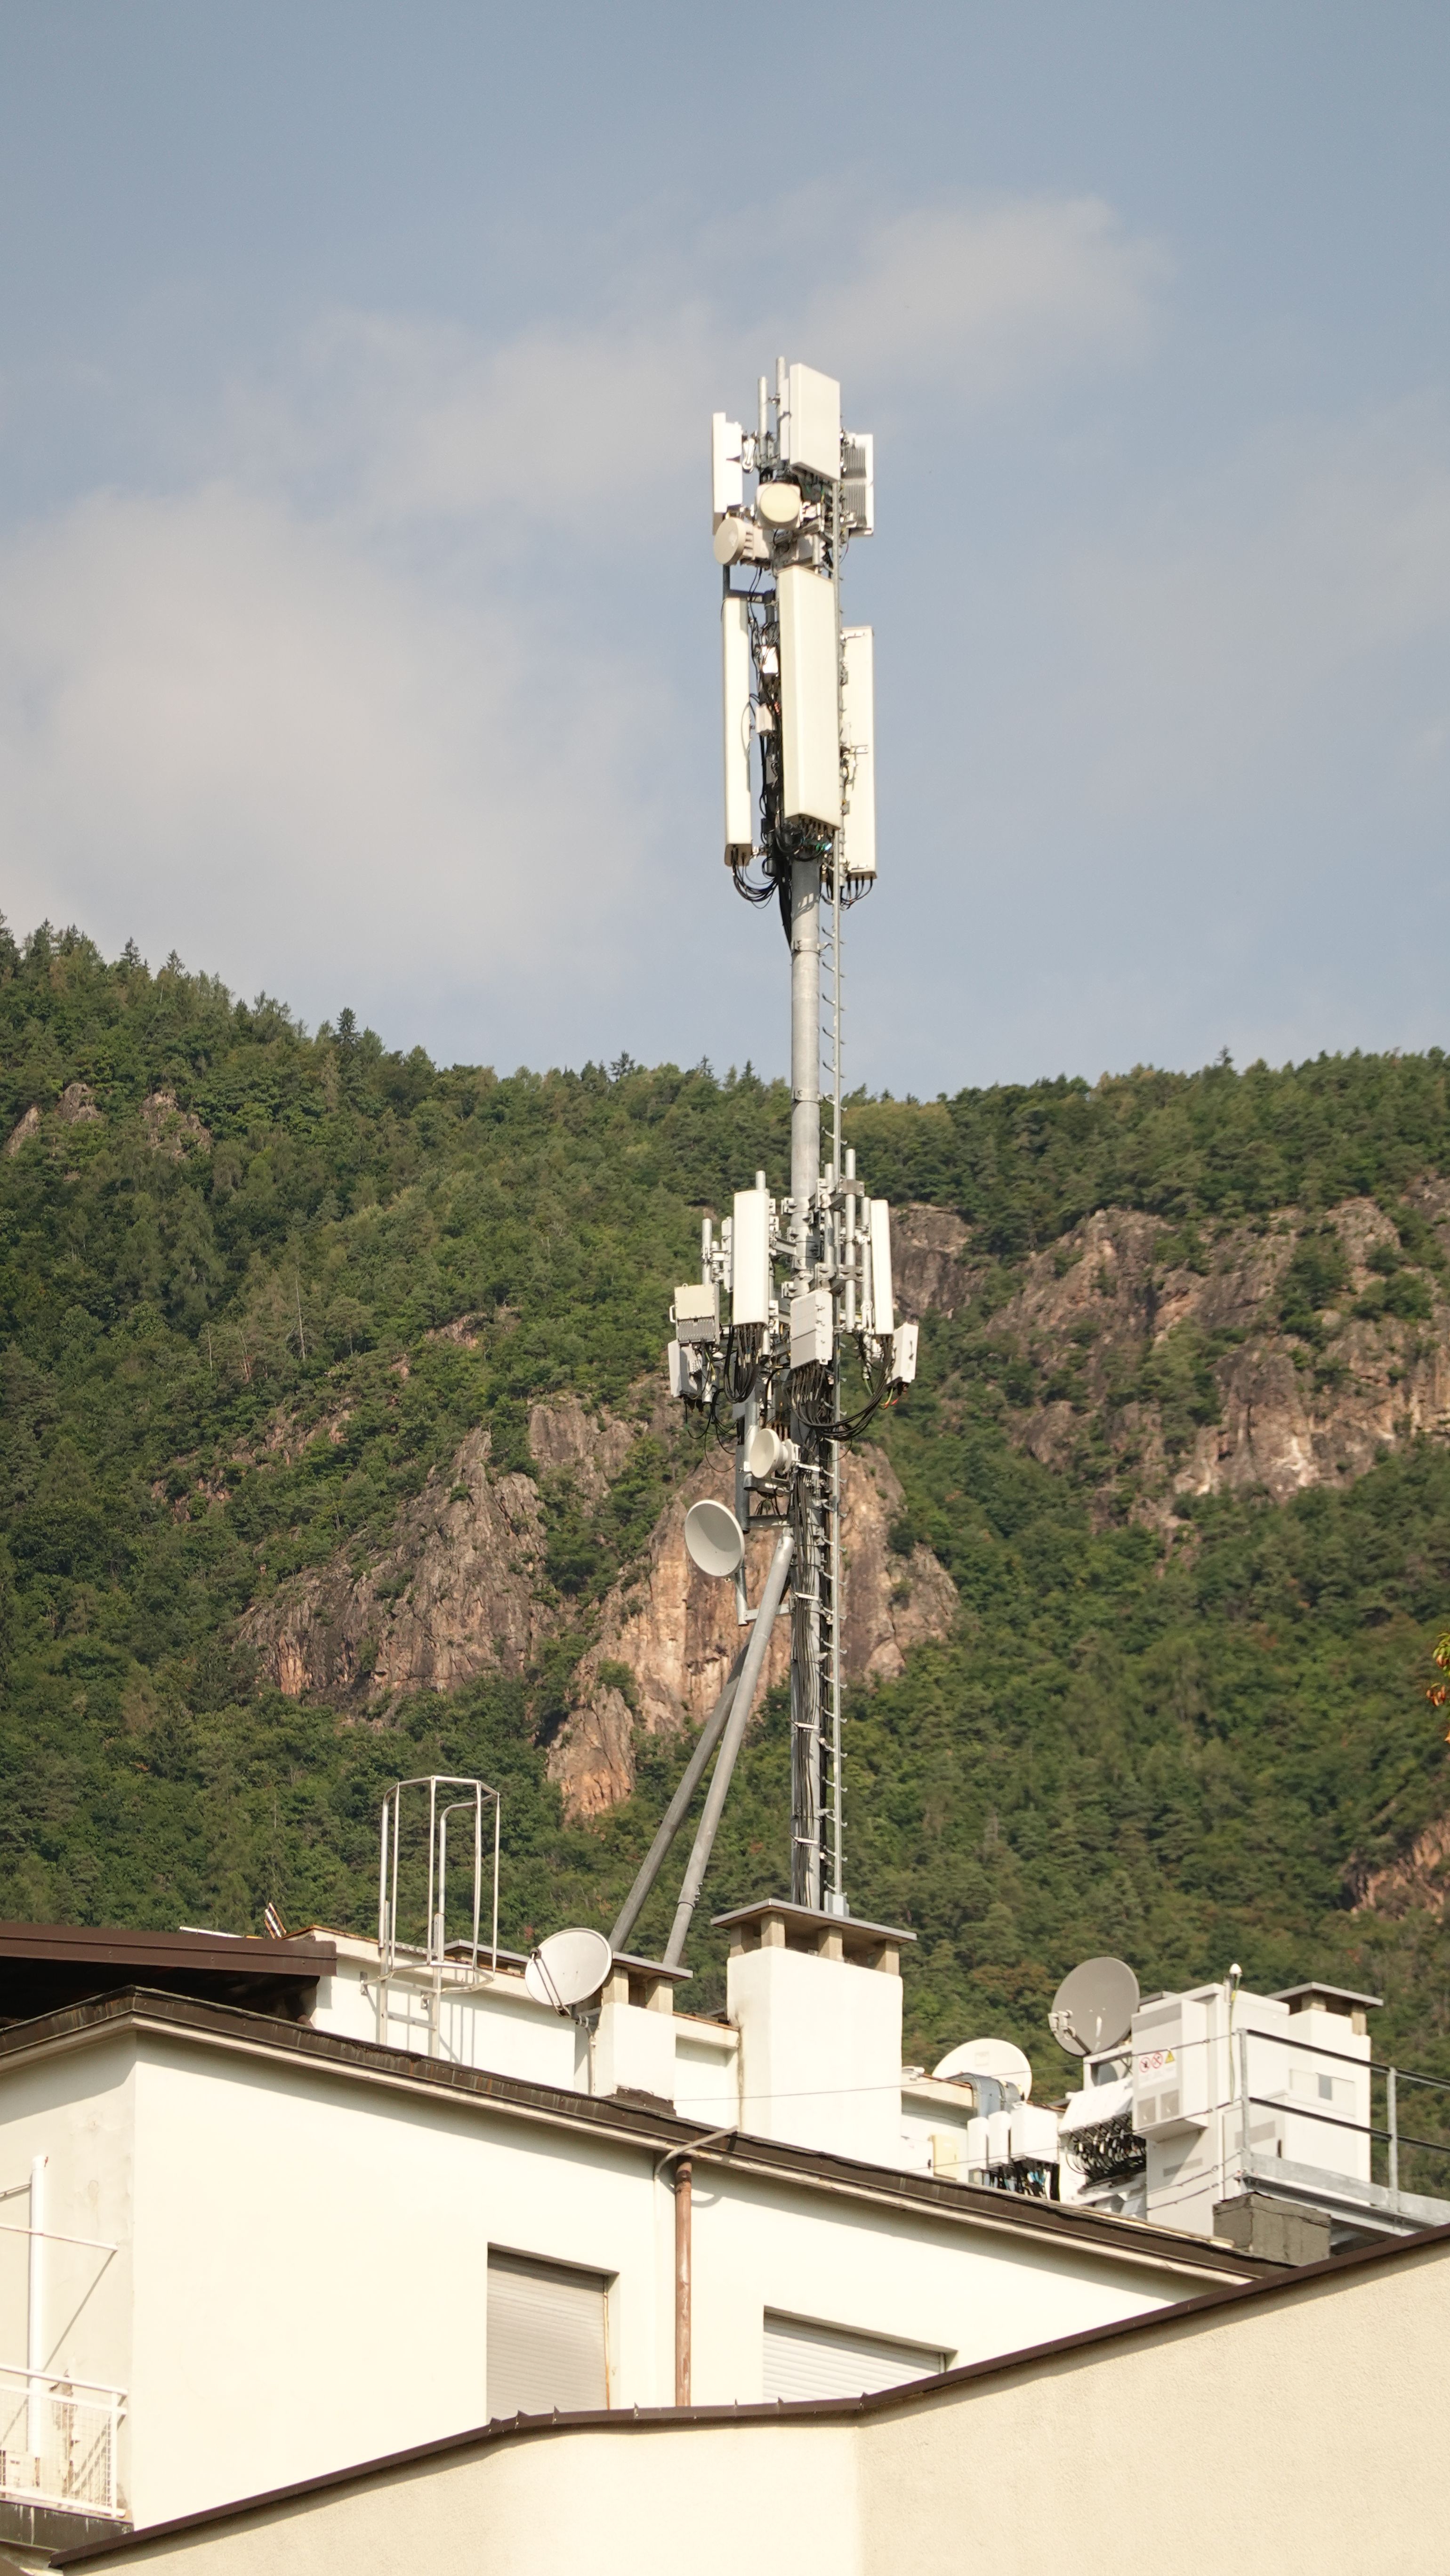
<point x="1093" y="2007"/>
<point x="568" y="1968"/>
<point x="998" y="2058"/>
<point x="714" y="1538"/>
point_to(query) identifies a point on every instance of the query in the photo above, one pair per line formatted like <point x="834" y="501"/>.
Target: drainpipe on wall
<point x="682" y="2160"/>
<point x="683" y="2184"/>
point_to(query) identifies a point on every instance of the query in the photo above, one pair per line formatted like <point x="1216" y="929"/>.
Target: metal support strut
<point x="745" y="1689"/>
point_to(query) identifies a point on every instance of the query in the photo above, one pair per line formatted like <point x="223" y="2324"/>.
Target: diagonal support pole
<point x="674" y="1815"/>
<point x="745" y="1690"/>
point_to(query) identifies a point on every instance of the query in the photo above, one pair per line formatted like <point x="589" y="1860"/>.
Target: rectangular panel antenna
<point x="808" y="683"/>
<point x="858" y="482"/>
<point x="858" y="724"/>
<point x="812" y="1329"/>
<point x="813" y="423"/>
<point x="883" y="1301"/>
<point x="735" y="665"/>
<point x="750" y="1259"/>
<point x="727" y="480"/>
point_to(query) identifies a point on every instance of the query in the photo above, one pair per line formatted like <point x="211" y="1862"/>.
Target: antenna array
<point x="790" y="1337"/>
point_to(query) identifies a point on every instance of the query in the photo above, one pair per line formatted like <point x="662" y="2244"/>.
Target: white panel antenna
<point x="813" y="423"/>
<point x="858" y="482"/>
<point x="809" y="712"/>
<point x="736" y="672"/>
<point x="812" y="1329"/>
<point x="883" y="1298"/>
<point x="727" y="477"/>
<point x="750" y="1259"/>
<point x="858" y="724"/>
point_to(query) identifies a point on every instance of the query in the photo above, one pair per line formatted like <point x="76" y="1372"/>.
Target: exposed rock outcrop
<point x="1170" y="1353"/>
<point x="458" y="1591"/>
<point x="455" y="1594"/>
<point x="76" y="1107"/>
<point x="170" y="1129"/>
<point x="588" y="1448"/>
<point x="931" y="1271"/>
<point x="1419" y="1878"/>
<point x="676" y="1631"/>
<point x="1267" y="1409"/>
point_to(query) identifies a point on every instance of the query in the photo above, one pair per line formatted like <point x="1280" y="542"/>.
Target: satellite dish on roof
<point x="714" y="1538"/>
<point x="1093" y="2007"/>
<point x="568" y="1968"/>
<point x="995" y="2057"/>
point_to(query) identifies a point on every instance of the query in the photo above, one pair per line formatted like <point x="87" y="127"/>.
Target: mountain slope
<point x="332" y="1449"/>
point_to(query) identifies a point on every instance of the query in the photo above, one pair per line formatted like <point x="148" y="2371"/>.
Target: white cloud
<point x="589" y="425"/>
<point x="375" y="709"/>
<point x="1274" y="599"/>
<point x="986" y="302"/>
<point x="224" y="730"/>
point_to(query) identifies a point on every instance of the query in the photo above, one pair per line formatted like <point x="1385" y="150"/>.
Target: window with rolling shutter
<point x="806" y="2360"/>
<point x="546" y="2337"/>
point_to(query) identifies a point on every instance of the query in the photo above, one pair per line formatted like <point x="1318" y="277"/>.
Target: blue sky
<point x="358" y="619"/>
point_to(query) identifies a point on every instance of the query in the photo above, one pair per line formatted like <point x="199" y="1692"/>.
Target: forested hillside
<point x="263" y="1291"/>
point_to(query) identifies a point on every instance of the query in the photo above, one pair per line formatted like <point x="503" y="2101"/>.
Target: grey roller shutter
<point x="804" y="2360"/>
<point x="546" y="2337"/>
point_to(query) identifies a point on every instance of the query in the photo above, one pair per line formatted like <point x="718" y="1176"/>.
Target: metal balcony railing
<point x="58" y="2441"/>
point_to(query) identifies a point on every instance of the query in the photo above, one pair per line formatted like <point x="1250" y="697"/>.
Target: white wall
<point x="77" y="2110"/>
<point x="969" y="2292"/>
<point x="1299" y="2432"/>
<point x="311" y="2260"/>
<point x="303" y="2280"/>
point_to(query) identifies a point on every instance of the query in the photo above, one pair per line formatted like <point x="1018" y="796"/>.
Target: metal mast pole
<point x="807" y="1277"/>
<point x="808" y="1515"/>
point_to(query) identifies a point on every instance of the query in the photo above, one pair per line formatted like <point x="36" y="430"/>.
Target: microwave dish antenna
<point x="715" y="1539"/>
<point x="1093" y="2007"/>
<point x="568" y="1969"/>
<point x="998" y="2058"/>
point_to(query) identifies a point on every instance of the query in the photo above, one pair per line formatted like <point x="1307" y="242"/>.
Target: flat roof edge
<point x="192" y="2017"/>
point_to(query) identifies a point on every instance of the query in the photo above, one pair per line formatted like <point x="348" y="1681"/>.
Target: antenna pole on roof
<point x="791" y="1332"/>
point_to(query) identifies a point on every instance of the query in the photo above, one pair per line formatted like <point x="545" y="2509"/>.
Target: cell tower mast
<point x="789" y="1342"/>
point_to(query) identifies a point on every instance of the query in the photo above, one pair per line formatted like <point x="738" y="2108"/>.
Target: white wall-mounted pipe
<point x="35" y="2328"/>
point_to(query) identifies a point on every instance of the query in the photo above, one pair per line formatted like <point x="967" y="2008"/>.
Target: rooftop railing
<point x="58" y="2442"/>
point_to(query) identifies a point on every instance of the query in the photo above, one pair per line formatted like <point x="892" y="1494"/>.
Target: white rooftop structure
<point x="253" y="2245"/>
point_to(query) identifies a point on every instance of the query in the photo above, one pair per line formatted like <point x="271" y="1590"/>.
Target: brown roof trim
<point x="83" y="1945"/>
<point x="788" y="2411"/>
<point x="1157" y="2248"/>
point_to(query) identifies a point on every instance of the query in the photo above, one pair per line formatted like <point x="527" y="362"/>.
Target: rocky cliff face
<point x="461" y="1591"/>
<point x="455" y="1594"/>
<point x="675" y="1631"/>
<point x="1276" y="1355"/>
<point x="1166" y="1369"/>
